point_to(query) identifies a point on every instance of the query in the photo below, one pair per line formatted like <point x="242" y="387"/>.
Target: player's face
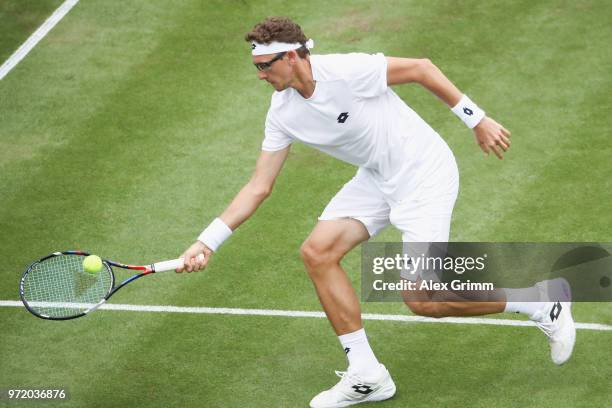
<point x="275" y="69"/>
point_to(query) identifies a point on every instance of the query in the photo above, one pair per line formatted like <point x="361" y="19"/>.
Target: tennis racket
<point x="57" y="287"/>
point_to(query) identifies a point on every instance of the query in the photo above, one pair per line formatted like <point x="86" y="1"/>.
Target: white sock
<point x="523" y="301"/>
<point x="360" y="356"/>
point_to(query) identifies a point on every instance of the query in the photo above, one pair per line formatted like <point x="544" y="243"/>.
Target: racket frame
<point x="145" y="270"/>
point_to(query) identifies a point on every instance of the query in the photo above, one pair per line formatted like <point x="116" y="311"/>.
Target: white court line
<point x="38" y="35"/>
<point x="300" y="313"/>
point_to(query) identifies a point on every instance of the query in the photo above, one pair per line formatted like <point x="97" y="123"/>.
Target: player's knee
<point x="315" y="255"/>
<point x="428" y="308"/>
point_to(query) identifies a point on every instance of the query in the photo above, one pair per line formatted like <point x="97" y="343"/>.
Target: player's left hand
<point x="492" y="137"/>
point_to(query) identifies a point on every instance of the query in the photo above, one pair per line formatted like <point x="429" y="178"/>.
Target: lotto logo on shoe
<point x="346" y="350"/>
<point x="362" y="389"/>
<point x="343" y="117"/>
<point x="555" y="311"/>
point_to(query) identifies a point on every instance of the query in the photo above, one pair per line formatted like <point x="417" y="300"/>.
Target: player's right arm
<point x="259" y="187"/>
<point x="244" y="204"/>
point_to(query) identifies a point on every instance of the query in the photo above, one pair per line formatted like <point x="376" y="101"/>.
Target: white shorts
<point x="422" y="215"/>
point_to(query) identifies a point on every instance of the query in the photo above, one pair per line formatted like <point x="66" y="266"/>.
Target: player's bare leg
<point x="366" y="379"/>
<point x="447" y="303"/>
<point x="322" y="252"/>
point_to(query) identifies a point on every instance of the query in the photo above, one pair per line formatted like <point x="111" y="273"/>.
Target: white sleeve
<point x="365" y="73"/>
<point x="275" y="139"/>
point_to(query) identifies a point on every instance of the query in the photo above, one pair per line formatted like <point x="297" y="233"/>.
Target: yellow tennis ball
<point x="92" y="264"/>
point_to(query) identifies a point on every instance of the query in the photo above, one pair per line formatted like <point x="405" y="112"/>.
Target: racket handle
<point x="172" y="264"/>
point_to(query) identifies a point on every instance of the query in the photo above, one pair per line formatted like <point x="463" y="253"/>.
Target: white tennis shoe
<point x="555" y="318"/>
<point x="353" y="389"/>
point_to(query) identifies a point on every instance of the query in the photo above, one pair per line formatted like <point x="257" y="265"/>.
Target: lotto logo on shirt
<point x="343" y="117"/>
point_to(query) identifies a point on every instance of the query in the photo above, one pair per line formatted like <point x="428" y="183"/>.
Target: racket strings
<point x="59" y="287"/>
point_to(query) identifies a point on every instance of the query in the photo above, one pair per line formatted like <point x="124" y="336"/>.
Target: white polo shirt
<point x="354" y="116"/>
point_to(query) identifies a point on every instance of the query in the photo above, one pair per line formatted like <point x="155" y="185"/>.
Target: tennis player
<point x="343" y="105"/>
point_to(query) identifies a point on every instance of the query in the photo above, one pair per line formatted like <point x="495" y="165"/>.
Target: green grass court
<point x="133" y="123"/>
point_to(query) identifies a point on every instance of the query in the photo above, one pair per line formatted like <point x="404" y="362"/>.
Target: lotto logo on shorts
<point x="343" y="117"/>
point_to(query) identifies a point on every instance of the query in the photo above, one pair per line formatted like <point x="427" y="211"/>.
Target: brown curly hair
<point x="280" y="29"/>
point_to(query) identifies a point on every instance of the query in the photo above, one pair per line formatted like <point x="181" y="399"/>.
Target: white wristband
<point x="214" y="235"/>
<point x="468" y="112"/>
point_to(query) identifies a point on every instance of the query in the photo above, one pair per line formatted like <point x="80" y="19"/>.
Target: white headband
<point x="276" y="47"/>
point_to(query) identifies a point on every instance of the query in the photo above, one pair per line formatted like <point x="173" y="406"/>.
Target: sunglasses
<point x="265" y="66"/>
